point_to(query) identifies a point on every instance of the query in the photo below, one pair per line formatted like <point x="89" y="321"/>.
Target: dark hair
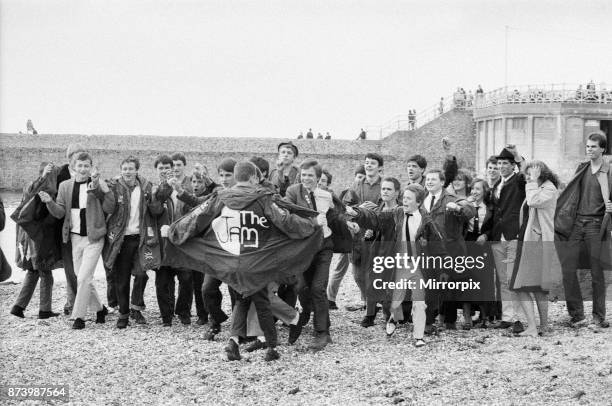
<point x="486" y="198"/>
<point x="311" y="163"/>
<point x="227" y="165"/>
<point x="492" y="160"/>
<point x="439" y="172"/>
<point x="600" y="138"/>
<point x="132" y="159"/>
<point x="396" y="183"/>
<point x="243" y="171"/>
<point x="261" y="164"/>
<point x="327" y="175"/>
<point x="418" y="190"/>
<point x="197" y="175"/>
<point x="419" y="159"/>
<point x="466" y="176"/>
<point x="82" y="156"/>
<point x="545" y="172"/>
<point x="360" y="169"/>
<point x="376" y="157"/>
<point x="163" y="159"/>
<point x="179" y="156"/>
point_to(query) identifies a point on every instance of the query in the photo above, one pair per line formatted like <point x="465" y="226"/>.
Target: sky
<point x="275" y="68"/>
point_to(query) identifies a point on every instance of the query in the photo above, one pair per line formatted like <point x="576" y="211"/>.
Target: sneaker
<point x="123" y="323"/>
<point x="255" y="345"/>
<point x="390" y="327"/>
<point x="368" y="321"/>
<point x="517" y="327"/>
<point x="18" y="311"/>
<point x="332" y="305"/>
<point x="79" y="324"/>
<point x="47" y="314"/>
<point x="319" y="342"/>
<point x="271" y="355"/>
<point x="419" y="343"/>
<point x="233" y="351"/>
<point x="185" y="320"/>
<point x="600" y="323"/>
<point x="578" y="321"/>
<point x="294" y="332"/>
<point x="101" y="315"/>
<point x="137" y="316"/>
<point x="212" y="332"/>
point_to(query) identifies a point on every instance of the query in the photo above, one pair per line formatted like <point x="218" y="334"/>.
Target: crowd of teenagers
<point x="270" y="234"/>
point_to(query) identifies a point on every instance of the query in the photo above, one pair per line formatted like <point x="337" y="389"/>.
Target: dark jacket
<point x="450" y="223"/>
<point x="281" y="183"/>
<point x="5" y="268"/>
<point x="507" y="208"/>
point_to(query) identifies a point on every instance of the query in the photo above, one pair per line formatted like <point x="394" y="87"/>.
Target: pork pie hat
<point x="505" y="154"/>
<point x="290" y="145"/>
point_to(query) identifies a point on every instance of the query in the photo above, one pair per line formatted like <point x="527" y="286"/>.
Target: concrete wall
<point x="21" y="154"/>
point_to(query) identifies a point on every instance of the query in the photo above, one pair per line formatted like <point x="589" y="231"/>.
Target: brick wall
<point x="20" y="154"/>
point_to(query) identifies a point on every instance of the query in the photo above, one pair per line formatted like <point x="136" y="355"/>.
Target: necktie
<point x="312" y="199"/>
<point x="431" y="204"/>
<point x="408" y="242"/>
<point x="476" y="223"/>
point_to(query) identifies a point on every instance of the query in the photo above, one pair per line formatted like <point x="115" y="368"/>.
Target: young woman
<point x="460" y="186"/>
<point x="536" y="252"/>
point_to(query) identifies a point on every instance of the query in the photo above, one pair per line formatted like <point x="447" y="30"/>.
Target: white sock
<point x="262" y="339"/>
<point x="235" y="339"/>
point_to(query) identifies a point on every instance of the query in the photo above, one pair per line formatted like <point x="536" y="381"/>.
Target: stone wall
<point x="20" y="154"/>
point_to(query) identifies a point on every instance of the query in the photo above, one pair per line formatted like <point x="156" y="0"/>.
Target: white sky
<point x="275" y="68"/>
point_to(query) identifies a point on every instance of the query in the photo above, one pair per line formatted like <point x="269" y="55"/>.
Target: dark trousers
<point x="122" y="272"/>
<point x="432" y="299"/>
<point x="164" y="288"/>
<point x="586" y="231"/>
<point x="288" y="292"/>
<point x="198" y="281"/>
<point x="264" y="315"/>
<point x="213" y="298"/>
<point x="314" y="293"/>
<point x="111" y="289"/>
<point x="138" y="288"/>
<point x="71" y="278"/>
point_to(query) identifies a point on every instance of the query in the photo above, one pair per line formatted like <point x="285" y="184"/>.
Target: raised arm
<point x="292" y="225"/>
<point x="539" y="196"/>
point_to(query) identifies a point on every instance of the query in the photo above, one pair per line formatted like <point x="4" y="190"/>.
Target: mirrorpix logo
<point x="238" y="229"/>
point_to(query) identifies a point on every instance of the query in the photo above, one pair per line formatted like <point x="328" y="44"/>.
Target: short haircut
<point x="418" y="190"/>
<point x="360" y="170"/>
<point x="163" y="159"/>
<point x="376" y="157"/>
<point x="262" y="164"/>
<point x="197" y="175"/>
<point x="419" y="160"/>
<point x="227" y="165"/>
<point x="133" y="159"/>
<point x="73" y="149"/>
<point x="396" y="183"/>
<point x="600" y="138"/>
<point x="311" y="163"/>
<point x="179" y="156"/>
<point x="439" y="172"/>
<point x="83" y="156"/>
<point x="492" y="160"/>
<point x="244" y="171"/>
<point x="327" y="175"/>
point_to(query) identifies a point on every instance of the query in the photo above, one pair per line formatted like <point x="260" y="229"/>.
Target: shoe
<point x="450" y="326"/>
<point x="517" y="327"/>
<point x="419" y="343"/>
<point x="18" y="311"/>
<point x="255" y="345"/>
<point x="101" y="315"/>
<point x="67" y="311"/>
<point x="578" y="321"/>
<point x="113" y="309"/>
<point x="138" y="317"/>
<point x="368" y="321"/>
<point x="233" y="351"/>
<point x="185" y="320"/>
<point x="271" y="355"/>
<point x="304" y="317"/>
<point x="202" y="321"/>
<point x="212" y="332"/>
<point x="294" y="332"/>
<point x="467" y="326"/>
<point x="123" y="323"/>
<point x="47" y="314"/>
<point x="354" y="308"/>
<point x="79" y="324"/>
<point x="332" y="305"/>
<point x="167" y="323"/>
<point x="431" y="330"/>
<point x="329" y="340"/>
<point x="319" y="342"/>
<point x="603" y="324"/>
<point x="390" y="327"/>
<point x="503" y="324"/>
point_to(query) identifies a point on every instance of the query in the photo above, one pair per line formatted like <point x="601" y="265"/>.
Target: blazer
<point x="507" y="208"/>
<point x="452" y="224"/>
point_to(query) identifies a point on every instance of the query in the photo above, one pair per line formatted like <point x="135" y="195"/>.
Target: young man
<point x="451" y="216"/>
<point x="492" y="172"/>
<point x="368" y="190"/>
<point x="127" y="232"/>
<point x="83" y="203"/>
<point x="416" y="227"/>
<point x="286" y="173"/>
<point x="306" y="194"/>
<point x="580" y="219"/>
<point x="507" y="199"/>
<point x="416" y="167"/>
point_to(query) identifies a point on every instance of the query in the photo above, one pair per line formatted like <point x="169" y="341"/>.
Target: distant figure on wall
<point x="441" y="107"/>
<point x="320" y="136"/>
<point x="30" y="128"/>
<point x="309" y="134"/>
<point x="362" y="135"/>
<point x="327" y="136"/>
<point x="301" y="136"/>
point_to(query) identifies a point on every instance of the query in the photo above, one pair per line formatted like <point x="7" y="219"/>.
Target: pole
<point x="506" y="59"/>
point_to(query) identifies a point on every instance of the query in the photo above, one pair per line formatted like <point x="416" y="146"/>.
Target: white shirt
<point x="75" y="212"/>
<point x="133" y="226"/>
<point x="427" y="201"/>
<point x="414" y="222"/>
<point x="501" y="185"/>
<point x="482" y="212"/>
